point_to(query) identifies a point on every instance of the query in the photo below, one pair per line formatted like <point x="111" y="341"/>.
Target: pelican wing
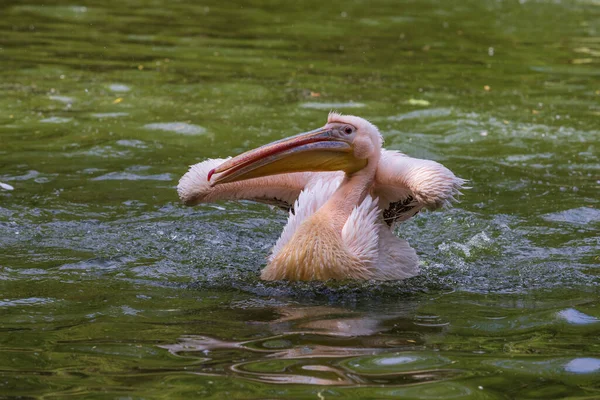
<point x="405" y="185"/>
<point x="278" y="190"/>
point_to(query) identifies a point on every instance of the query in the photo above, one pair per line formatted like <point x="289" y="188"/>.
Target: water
<point x="109" y="288"/>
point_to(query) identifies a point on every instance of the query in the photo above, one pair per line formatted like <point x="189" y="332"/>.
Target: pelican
<point x="344" y="192"/>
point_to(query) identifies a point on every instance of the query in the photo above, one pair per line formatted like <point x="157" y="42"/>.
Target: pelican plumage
<point x="344" y="194"/>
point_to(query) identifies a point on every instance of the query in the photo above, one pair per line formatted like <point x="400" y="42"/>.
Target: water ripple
<point x="331" y="106"/>
<point x="578" y="216"/>
<point x="182" y="128"/>
<point x="127" y="176"/>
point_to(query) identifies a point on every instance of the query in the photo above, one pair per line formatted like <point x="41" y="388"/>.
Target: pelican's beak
<point x="323" y="149"/>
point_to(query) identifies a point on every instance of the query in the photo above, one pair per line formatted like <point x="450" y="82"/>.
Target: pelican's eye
<point x="348" y="130"/>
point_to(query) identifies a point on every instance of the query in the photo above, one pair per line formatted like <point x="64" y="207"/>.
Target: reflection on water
<point x="321" y="346"/>
<point x="343" y="347"/>
<point x="575" y="317"/>
<point x="583" y="365"/>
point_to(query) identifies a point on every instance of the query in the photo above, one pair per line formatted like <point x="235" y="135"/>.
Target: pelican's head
<point x="346" y="143"/>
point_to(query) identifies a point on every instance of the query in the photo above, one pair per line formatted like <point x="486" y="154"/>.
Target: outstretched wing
<point x="405" y="185"/>
<point x="278" y="190"/>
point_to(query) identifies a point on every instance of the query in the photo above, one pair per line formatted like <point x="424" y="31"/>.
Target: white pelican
<point x="344" y="194"/>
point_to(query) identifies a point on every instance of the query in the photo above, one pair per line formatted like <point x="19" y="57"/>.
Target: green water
<point x="110" y="289"/>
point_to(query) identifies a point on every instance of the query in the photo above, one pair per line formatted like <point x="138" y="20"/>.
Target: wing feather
<point x="405" y="185"/>
<point x="280" y="190"/>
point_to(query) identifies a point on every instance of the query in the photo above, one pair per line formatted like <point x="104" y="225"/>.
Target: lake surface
<point x="111" y="289"/>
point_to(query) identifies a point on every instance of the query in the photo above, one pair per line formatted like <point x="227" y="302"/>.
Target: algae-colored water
<point x="110" y="289"/>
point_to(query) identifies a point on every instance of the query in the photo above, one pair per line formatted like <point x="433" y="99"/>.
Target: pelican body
<point x="344" y="194"/>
